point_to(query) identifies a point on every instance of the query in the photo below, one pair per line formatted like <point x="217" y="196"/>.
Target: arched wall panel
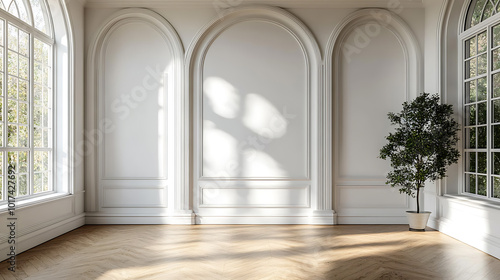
<point x="255" y="89"/>
<point x="136" y="122"/>
<point x="372" y="66"/>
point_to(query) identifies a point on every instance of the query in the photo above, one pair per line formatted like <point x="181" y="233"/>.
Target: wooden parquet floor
<point x="252" y="252"/>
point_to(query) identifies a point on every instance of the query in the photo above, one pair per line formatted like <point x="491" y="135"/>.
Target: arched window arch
<point x="481" y="91"/>
<point x="27" y="102"/>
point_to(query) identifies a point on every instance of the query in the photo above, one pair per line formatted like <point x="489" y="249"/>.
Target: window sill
<point x="473" y="201"/>
<point x="35" y="201"/>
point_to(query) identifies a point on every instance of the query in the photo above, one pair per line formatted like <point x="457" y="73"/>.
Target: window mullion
<point x="4" y="107"/>
<point x="489" y="111"/>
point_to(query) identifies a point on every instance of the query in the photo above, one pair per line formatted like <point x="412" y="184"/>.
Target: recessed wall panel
<point x="254" y="119"/>
<point x="373" y="83"/>
<point x="135" y="96"/>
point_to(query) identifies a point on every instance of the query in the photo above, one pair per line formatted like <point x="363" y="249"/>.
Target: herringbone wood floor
<point x="252" y="252"/>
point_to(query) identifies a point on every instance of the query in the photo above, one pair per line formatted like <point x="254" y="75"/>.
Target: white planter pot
<point x="418" y="221"/>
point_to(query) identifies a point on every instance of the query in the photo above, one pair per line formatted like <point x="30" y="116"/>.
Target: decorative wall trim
<point x="94" y="90"/>
<point x="320" y="189"/>
<point x="117" y="219"/>
<point x="333" y="53"/>
<point x="326" y="219"/>
<point x="233" y="3"/>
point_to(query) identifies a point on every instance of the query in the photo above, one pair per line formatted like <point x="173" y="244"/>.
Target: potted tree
<point x="420" y="149"/>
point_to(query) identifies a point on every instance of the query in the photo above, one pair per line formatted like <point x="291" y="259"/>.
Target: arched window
<point x="480" y="10"/>
<point x="481" y="89"/>
<point x="26" y="99"/>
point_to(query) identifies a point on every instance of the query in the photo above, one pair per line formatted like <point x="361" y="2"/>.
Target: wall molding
<point x="94" y="88"/>
<point x="333" y="54"/>
<point x="233" y="3"/>
<point x="321" y="200"/>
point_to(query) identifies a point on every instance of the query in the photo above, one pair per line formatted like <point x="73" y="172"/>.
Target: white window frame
<point x="468" y="33"/>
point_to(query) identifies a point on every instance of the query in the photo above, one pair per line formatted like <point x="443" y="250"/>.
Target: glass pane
<point x="471" y="162"/>
<point x="477" y="13"/>
<point x="13" y="64"/>
<point x="489" y="10"/>
<point x="38" y="182"/>
<point x="45" y="79"/>
<point x="23" y="14"/>
<point x="23" y="162"/>
<point x="12" y="160"/>
<point x="496" y="136"/>
<point x="23" y="184"/>
<point x="482" y="64"/>
<point x="12" y="111"/>
<point x="1" y="57"/>
<point x="23" y="113"/>
<point x="482" y="90"/>
<point x="1" y="135"/>
<point x="470" y="90"/>
<point x="470" y="112"/>
<point x="45" y="181"/>
<point x="24" y="43"/>
<point x="481" y="185"/>
<point x="12" y="87"/>
<point x="471" y="183"/>
<point x="1" y="109"/>
<point x="496" y="187"/>
<point x="481" y="137"/>
<point x="38" y="72"/>
<point x="45" y="117"/>
<point x="23" y="90"/>
<point x="470" y="67"/>
<point x="496" y="163"/>
<point x="470" y="47"/>
<point x="37" y="137"/>
<point x="496" y="35"/>
<point x="38" y="15"/>
<point x="496" y="111"/>
<point x="472" y="137"/>
<point x="23" y="136"/>
<point x="12" y="136"/>
<point x="23" y="67"/>
<point x="481" y="163"/>
<point x="13" y="37"/>
<point x="46" y="97"/>
<point x="38" y="94"/>
<point x="482" y="43"/>
<point x="37" y="116"/>
<point x="496" y="85"/>
<point x="46" y="136"/>
<point x="481" y="113"/>
<point x="1" y="32"/>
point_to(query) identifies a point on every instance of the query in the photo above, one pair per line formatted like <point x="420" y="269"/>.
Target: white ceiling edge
<point x="389" y="4"/>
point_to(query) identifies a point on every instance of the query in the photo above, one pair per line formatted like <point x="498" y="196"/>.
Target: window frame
<point x="49" y="39"/>
<point x="467" y="33"/>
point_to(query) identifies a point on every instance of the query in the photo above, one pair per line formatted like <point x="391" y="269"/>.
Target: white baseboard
<point x="37" y="237"/>
<point x="110" y="219"/>
<point x="277" y="220"/>
<point x="479" y="240"/>
<point x="371" y="220"/>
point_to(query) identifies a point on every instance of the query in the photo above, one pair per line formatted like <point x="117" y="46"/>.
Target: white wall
<point x="258" y="115"/>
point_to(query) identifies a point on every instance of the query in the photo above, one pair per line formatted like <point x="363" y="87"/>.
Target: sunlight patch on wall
<point x="219" y="150"/>
<point x="263" y="118"/>
<point x="222" y="96"/>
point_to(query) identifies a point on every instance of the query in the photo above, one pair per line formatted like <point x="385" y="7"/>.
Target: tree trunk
<point x="418" y="202"/>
